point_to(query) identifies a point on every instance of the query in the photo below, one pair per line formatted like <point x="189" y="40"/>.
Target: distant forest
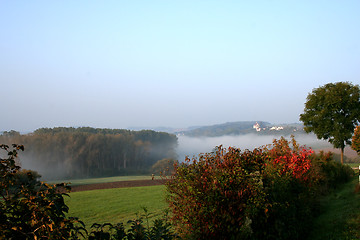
<point x="91" y="152"/>
<point x="241" y="128"/>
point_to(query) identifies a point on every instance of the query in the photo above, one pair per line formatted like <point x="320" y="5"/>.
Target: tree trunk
<point x="342" y="155"/>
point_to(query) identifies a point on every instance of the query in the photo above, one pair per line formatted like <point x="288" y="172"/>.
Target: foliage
<point x="160" y="230"/>
<point x="289" y="160"/>
<point x="267" y="193"/>
<point x="107" y="231"/>
<point x="62" y="153"/>
<point x="332" y="112"/>
<point x="218" y="194"/>
<point x="11" y="133"/>
<point x="30" y="209"/>
<point x="289" y="184"/>
<point x="331" y="173"/>
<point x="355" y="143"/>
<point x="164" y="166"/>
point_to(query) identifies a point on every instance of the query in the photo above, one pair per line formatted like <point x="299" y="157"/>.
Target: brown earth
<point x="348" y="152"/>
<point x="120" y="184"/>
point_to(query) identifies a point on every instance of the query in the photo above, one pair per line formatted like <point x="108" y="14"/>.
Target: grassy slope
<point x="340" y="217"/>
<point x="353" y="165"/>
<point x="116" y="205"/>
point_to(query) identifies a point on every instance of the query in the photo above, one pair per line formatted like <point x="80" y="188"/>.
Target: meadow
<point x="339" y="214"/>
<point x="116" y="205"/>
<point x="76" y="182"/>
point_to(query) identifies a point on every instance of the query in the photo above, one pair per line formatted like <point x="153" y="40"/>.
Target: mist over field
<point x="56" y="171"/>
<point x="54" y="162"/>
<point x="193" y="146"/>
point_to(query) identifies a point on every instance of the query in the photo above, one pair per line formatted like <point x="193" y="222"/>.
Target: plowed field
<point x="119" y="184"/>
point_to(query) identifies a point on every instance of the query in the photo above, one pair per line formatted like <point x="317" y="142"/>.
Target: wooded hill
<point x="242" y="127"/>
<point x="91" y="152"/>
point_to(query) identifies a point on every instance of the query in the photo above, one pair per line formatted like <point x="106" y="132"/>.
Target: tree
<point x="332" y="112"/>
<point x="355" y="143"/>
<point x="30" y="209"/>
<point x="90" y="152"/>
<point x="164" y="166"/>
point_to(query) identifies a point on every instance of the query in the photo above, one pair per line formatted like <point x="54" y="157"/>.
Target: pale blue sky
<point x="120" y="64"/>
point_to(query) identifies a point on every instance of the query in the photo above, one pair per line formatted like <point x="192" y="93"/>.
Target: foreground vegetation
<point x="267" y="193"/>
<point x="274" y="192"/>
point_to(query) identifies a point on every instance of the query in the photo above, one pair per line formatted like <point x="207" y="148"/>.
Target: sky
<point x="123" y="64"/>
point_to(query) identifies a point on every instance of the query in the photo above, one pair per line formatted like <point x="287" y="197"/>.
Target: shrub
<point x="30" y="209"/>
<point x="164" y="167"/>
<point x="161" y="229"/>
<point x="333" y="173"/>
<point x="230" y="194"/>
<point x="289" y="185"/>
<point x="218" y="194"/>
<point x="355" y="141"/>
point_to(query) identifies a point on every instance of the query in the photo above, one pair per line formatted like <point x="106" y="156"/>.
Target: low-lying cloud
<point x="193" y="146"/>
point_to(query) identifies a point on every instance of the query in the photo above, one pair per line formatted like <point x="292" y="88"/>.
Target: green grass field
<point x="353" y="165"/>
<point x="340" y="214"/>
<point x="117" y="204"/>
<point x="75" y="182"/>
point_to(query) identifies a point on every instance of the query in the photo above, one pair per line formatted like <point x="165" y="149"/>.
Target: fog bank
<point x="193" y="146"/>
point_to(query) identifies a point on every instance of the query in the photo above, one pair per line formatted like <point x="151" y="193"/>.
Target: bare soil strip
<point x="120" y="184"/>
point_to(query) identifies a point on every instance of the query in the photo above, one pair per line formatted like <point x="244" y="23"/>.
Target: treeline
<point x="241" y="128"/>
<point x="91" y="152"/>
<point x="230" y="128"/>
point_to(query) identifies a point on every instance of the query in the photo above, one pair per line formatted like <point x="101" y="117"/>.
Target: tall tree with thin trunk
<point x="332" y="112"/>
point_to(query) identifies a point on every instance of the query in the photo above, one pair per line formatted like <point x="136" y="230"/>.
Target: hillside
<point x="243" y="127"/>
